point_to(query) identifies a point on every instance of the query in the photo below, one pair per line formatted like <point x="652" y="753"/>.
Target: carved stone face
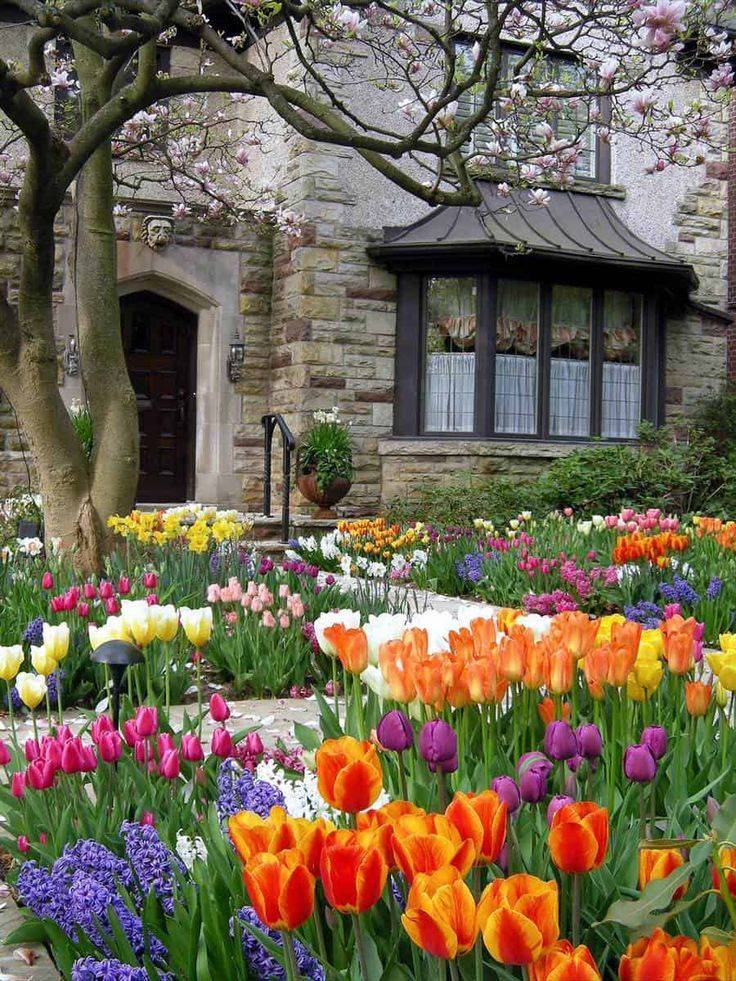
<point x="157" y="231"/>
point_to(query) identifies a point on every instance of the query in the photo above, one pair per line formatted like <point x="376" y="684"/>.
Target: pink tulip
<point x="23" y="844"/>
<point x="89" y="759"/>
<point x="52" y="754"/>
<point x="64" y="734"/>
<point x="18" y="784"/>
<point x="152" y="599"/>
<point x="57" y="604"/>
<point x="148" y="818"/>
<point x="150" y="580"/>
<point x="284" y="590"/>
<point x="106" y="590"/>
<point x="72" y="758"/>
<point x="284" y="620"/>
<point x="43" y="838"/>
<point x="146" y="721"/>
<point x="31" y="749"/>
<point x="112" y="606"/>
<point x="213" y="593"/>
<point x="130" y="733"/>
<point x="101" y="725"/>
<point x="123" y="585"/>
<point x="4" y="754"/>
<point x="90" y="590"/>
<point x="219" y="710"/>
<point x="246" y="601"/>
<point x="222" y="743"/>
<point x="47" y="580"/>
<point x="83" y="610"/>
<point x="251" y="589"/>
<point x="39" y="775"/>
<point x="256" y="604"/>
<point x="142" y="751"/>
<point x="191" y="747"/>
<point x="110" y="747"/>
<point x="165" y="743"/>
<point x="254" y="744"/>
<point x="627" y="514"/>
<point x="268" y="619"/>
<point x="169" y="767"/>
<point x="73" y="595"/>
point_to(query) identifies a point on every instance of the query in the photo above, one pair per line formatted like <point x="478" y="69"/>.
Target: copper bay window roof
<point x="575" y="227"/>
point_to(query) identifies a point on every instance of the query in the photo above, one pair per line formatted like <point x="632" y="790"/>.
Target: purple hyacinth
<point x="33" y="634"/>
<point x="714" y="588"/>
<point x="470" y="567"/>
<point x="680" y="591"/>
<point x="153" y="865"/>
<point x="53" y="682"/>
<point x="648" y="614"/>
<point x="239" y="791"/>
<point x="89" y="969"/>
<point x="46" y="895"/>
<point x="264" y="965"/>
<point x="94" y="858"/>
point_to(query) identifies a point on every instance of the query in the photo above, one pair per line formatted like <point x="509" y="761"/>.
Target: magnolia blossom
<point x="539" y="197"/>
<point x="660" y="22"/>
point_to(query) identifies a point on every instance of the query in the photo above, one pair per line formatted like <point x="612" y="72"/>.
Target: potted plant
<point x="325" y="464"/>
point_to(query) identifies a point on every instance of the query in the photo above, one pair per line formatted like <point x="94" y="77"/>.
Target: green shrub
<point x="466" y="498"/>
<point x="715" y="416"/>
<point x="82" y="421"/>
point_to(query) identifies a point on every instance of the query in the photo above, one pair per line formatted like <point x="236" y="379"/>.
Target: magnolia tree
<point x="431" y="93"/>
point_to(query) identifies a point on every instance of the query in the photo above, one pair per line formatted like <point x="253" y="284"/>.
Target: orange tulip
<point x="482" y="818"/>
<point x="547" y="709"/>
<point x="309" y="839"/>
<point x="679" y="652"/>
<point x="657" y="863"/>
<point x="563" y="962"/>
<point x="483" y="630"/>
<point x="519" y="918"/>
<point x="440" y="914"/>
<point x="514" y="652"/>
<point x="727" y="862"/>
<point x="281" y="889"/>
<point x="349" y="774"/>
<point x="398" y="671"/>
<point x="621" y="661"/>
<point x="562" y="667"/>
<point x="595" y="666"/>
<point x="431" y="681"/>
<point x="461" y="643"/>
<point x="576" y="631"/>
<point x="666" y="959"/>
<point x="353" y="870"/>
<point x="351" y="646"/>
<point x="697" y="697"/>
<point x="722" y="956"/>
<point x="536" y="670"/>
<point x="429" y="842"/>
<point x="482" y="681"/>
<point x="416" y="641"/>
<point x="455" y="682"/>
<point x="252" y="834"/>
<point x="578" y="838"/>
<point x="628" y="635"/>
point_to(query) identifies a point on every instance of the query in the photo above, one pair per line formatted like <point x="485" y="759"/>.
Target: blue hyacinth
<point x="264" y="965"/>
<point x="89" y="969"/>
<point x="240" y="791"/>
<point x="648" y="614"/>
<point x="679" y="591"/>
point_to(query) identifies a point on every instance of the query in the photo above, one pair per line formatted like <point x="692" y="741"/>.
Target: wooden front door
<point x="160" y="342"/>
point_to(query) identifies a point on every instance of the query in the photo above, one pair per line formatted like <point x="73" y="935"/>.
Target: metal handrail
<point x="269" y="423"/>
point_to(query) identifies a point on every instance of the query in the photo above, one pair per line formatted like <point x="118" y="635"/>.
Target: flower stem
<point x="402" y="776"/>
<point x="290" y="963"/>
<point x="576" y="890"/>
<point x="336" y="700"/>
<point x="358" y="696"/>
<point x="360" y="947"/>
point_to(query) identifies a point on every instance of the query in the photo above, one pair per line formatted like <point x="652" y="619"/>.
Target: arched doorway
<point x="160" y="343"/>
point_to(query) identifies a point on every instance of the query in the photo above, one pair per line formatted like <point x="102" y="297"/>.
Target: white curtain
<point x="569" y="397"/>
<point x="621" y="400"/>
<point x="516" y="394"/>
<point x="450" y="393"/>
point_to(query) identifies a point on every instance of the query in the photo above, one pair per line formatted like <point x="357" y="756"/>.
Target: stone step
<point x="299" y="525"/>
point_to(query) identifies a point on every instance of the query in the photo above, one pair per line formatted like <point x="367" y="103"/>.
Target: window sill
<point x="470" y="445"/>
<point x="582" y="185"/>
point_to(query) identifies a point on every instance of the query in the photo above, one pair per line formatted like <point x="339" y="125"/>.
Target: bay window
<point x="511" y="357"/>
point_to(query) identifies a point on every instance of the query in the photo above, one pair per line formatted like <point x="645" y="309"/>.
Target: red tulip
<point x="146" y="721"/>
<point x="219" y="710"/>
<point x="169" y="767"/>
<point x="57" y="604"/>
<point x="142" y="752"/>
<point x="123" y="585"/>
<point x="83" y="610"/>
<point x="52" y="754"/>
<point x="72" y="760"/>
<point x="165" y="743"/>
<point x="72" y="597"/>
<point x="4" y="754"/>
<point x="222" y="743"/>
<point x="101" y="725"/>
<point x="47" y="580"/>
<point x="150" y="580"/>
<point x="191" y="747"/>
<point x="90" y="590"/>
<point x="106" y="590"/>
<point x="31" y="749"/>
<point x="110" y="746"/>
<point x="18" y="784"/>
<point x="130" y="733"/>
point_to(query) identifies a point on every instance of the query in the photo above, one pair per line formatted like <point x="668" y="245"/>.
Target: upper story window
<point x="517" y="357"/>
<point x="570" y="119"/>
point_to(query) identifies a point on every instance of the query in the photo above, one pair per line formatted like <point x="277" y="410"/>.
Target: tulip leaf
<point x="309" y="738"/>
<point x="328" y="720"/>
<point x="724" y="823"/>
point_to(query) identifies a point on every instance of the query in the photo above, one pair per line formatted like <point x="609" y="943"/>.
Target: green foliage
<point x="715" y="415"/>
<point x="326" y="450"/>
<point x="466" y="498"/>
<point x="82" y="421"/>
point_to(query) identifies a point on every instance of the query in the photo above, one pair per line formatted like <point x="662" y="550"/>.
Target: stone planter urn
<point x="324" y="499"/>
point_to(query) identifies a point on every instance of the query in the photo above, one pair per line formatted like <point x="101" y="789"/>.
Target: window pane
<point x="449" y="380"/>
<point x="621" y="409"/>
<point x="517" y="335"/>
<point x="569" y="394"/>
<point x="573" y="118"/>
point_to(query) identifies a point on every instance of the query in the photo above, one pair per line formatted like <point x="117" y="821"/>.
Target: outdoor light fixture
<point x="235" y="357"/>
<point x="118" y="655"/>
<point x="71" y="356"/>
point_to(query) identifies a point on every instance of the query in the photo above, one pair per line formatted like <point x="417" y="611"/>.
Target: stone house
<point x="489" y="341"/>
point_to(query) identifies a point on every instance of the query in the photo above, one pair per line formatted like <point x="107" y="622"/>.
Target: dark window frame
<point x="411" y="327"/>
<point x="602" y="148"/>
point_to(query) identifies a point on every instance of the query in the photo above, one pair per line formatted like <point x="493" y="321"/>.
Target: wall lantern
<point x="117" y="655"/>
<point x="71" y="357"/>
<point x="235" y="358"/>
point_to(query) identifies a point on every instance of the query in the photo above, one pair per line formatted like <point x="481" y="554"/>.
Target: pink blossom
<point x="284" y="620"/>
<point x="268" y="619"/>
<point x="256" y="605"/>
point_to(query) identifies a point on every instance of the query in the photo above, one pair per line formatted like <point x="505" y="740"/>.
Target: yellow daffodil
<point x="165" y="621"/>
<point x="197" y="625"/>
<point x="43" y="660"/>
<point x="31" y="688"/>
<point x="56" y="640"/>
<point x="11" y="659"/>
<point x="724" y="666"/>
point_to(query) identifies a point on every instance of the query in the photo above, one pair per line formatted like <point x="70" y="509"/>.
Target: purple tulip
<point x="712" y="807"/>
<point x="533" y="785"/>
<point x="559" y="741"/>
<point x="508" y="792"/>
<point x="558" y="801"/>
<point x="655" y="737"/>
<point x="438" y="746"/>
<point x="639" y="763"/>
<point x="574" y="763"/>
<point x="394" y="731"/>
<point x="537" y="760"/>
<point x="590" y="741"/>
<point x="503" y="859"/>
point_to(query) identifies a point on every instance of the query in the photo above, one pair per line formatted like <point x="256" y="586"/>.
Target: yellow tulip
<point x="648" y="672"/>
<point x="31" y="688"/>
<point x="11" y="659"/>
<point x="197" y="624"/>
<point x="727" y="642"/>
<point x="56" y="640"/>
<point x="165" y="621"/>
<point x="634" y="690"/>
<point x="43" y="660"/>
<point x="652" y="642"/>
<point x="112" y="629"/>
<point x="137" y="619"/>
<point x="724" y="666"/>
<point x="721" y="698"/>
<point x="605" y="625"/>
